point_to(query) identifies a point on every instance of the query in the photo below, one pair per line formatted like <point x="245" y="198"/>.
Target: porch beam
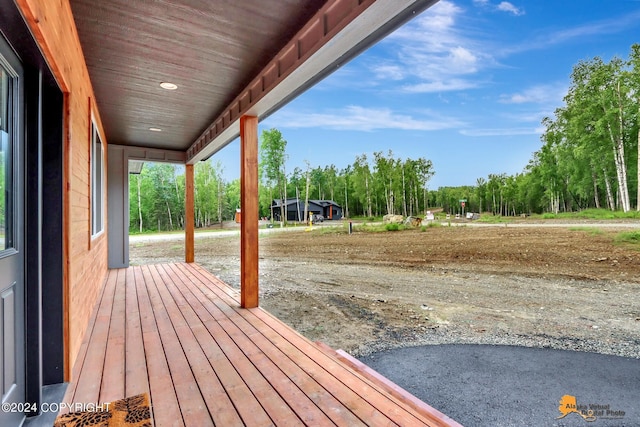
<point x="189" y="216"/>
<point x="135" y="152"/>
<point x="249" y="211"/>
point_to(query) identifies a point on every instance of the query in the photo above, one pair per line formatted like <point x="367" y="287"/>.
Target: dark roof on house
<point x="325" y="203"/>
<point x="292" y="201"/>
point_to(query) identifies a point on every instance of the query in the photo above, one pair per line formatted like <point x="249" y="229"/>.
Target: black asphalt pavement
<point x="493" y="386"/>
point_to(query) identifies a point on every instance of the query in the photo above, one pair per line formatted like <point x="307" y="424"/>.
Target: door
<point x="12" y="333"/>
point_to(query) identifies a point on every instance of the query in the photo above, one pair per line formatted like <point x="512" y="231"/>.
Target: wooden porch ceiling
<point x="210" y="49"/>
<point x="227" y="57"/>
<point x="177" y="332"/>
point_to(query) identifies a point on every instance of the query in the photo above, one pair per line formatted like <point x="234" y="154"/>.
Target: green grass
<point x="392" y="227"/>
<point x="430" y="224"/>
<point x="181" y="231"/>
<point x="592" y="231"/>
<point x="144" y="232"/>
<point x="378" y="228"/>
<point x="366" y="218"/>
<point x="595" y="214"/>
<point x="494" y="219"/>
<point x="629" y="238"/>
<point x="333" y="230"/>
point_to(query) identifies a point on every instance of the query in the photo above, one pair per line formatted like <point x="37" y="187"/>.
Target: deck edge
<point x="390" y="387"/>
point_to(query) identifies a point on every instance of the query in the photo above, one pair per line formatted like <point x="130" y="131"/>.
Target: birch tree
<point x="634" y="84"/>
<point x="363" y="182"/>
<point x="272" y="157"/>
<point x="598" y="91"/>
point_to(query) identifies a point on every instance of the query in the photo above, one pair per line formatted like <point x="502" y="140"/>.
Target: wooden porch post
<point x="189" y="242"/>
<point x="249" y="211"/>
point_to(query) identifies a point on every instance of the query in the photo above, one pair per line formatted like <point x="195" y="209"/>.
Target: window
<point x="6" y="157"/>
<point x="97" y="182"/>
<point x="4" y="100"/>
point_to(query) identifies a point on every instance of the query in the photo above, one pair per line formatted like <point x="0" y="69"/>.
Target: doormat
<point x="130" y="412"/>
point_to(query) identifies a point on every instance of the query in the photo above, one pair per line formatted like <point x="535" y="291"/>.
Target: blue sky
<point x="465" y="84"/>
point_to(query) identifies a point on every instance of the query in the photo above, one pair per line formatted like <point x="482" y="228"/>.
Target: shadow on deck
<point x="177" y="332"/>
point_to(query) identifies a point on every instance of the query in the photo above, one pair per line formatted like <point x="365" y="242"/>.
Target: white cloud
<point x="433" y="31"/>
<point x="502" y="131"/>
<point x="528" y="116"/>
<point x="584" y="32"/>
<point x="432" y="53"/>
<point x="440" y="86"/>
<point x="463" y="59"/>
<point x="505" y="6"/>
<point x="359" y="118"/>
<point x="540" y="94"/>
<point x="389" y="71"/>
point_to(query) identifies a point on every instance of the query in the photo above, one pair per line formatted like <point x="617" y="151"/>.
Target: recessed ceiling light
<point x="155" y="129"/>
<point x="168" y="86"/>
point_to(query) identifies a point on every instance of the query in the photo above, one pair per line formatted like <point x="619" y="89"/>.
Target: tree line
<point x="156" y="197"/>
<point x="369" y="187"/>
<point x="374" y="186"/>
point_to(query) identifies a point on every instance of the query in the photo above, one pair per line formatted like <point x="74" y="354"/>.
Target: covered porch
<point x="178" y="333"/>
<point x="205" y="353"/>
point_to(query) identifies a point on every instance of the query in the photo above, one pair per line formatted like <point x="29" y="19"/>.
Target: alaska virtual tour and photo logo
<point x="590" y="412"/>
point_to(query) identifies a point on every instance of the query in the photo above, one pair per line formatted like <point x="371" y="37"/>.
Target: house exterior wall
<point x="85" y="259"/>
<point x="333" y="212"/>
<point x="327" y="209"/>
<point x="292" y="210"/>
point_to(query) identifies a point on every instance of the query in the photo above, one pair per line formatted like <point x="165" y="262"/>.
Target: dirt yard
<point x="560" y="287"/>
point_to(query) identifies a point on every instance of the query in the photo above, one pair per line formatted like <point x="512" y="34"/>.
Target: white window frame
<point x="97" y="182"/>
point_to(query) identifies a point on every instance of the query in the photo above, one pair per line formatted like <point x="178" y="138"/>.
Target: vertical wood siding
<point x="52" y="25"/>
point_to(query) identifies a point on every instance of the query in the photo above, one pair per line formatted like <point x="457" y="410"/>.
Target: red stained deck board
<point x="86" y="386"/>
<point x="113" y="385"/>
<point x="136" y="374"/>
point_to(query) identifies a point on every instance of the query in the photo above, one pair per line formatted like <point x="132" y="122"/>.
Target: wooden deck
<point x="177" y="332"/>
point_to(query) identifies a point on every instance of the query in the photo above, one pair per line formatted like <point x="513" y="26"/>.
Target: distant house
<point x="295" y="209"/>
